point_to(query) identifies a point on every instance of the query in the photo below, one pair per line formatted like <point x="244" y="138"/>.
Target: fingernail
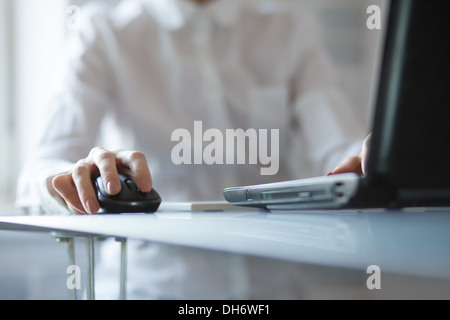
<point x="112" y="187"/>
<point x="91" y="206"/>
<point x="330" y="174"/>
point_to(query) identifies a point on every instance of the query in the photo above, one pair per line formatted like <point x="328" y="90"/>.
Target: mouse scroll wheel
<point x="130" y="184"/>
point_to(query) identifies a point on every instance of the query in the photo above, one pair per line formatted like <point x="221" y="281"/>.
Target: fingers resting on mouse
<point x="76" y="189"/>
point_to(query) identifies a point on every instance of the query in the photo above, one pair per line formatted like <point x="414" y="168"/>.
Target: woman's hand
<point x="356" y="164"/>
<point x="76" y="187"/>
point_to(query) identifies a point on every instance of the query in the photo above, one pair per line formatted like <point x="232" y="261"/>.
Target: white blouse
<point x="137" y="72"/>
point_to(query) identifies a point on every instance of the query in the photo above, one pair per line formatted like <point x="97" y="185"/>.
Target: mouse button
<point x="152" y="195"/>
<point x="142" y="195"/>
<point x="130" y="184"/>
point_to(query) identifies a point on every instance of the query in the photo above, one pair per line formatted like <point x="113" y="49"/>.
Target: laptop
<point x="409" y="158"/>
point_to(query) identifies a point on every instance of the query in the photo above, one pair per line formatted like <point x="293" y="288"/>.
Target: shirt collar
<point x="175" y="14"/>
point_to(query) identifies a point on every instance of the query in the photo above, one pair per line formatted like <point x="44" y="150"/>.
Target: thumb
<point x="351" y="164"/>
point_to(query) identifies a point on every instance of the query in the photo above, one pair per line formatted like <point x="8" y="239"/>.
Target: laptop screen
<point x="410" y="143"/>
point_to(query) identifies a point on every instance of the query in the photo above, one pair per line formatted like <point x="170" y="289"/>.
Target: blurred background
<point x="32" y="34"/>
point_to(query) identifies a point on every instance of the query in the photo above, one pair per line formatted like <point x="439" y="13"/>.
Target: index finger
<point x="106" y="163"/>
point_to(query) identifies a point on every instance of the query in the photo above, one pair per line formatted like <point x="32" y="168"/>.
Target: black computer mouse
<point x="129" y="199"/>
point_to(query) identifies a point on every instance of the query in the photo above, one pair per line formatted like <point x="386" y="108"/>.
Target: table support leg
<point x="71" y="254"/>
<point x="123" y="268"/>
<point x="90" y="245"/>
<point x="71" y="251"/>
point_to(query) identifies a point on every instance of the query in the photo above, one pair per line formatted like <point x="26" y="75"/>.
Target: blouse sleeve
<point x="325" y="129"/>
<point x="72" y="126"/>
